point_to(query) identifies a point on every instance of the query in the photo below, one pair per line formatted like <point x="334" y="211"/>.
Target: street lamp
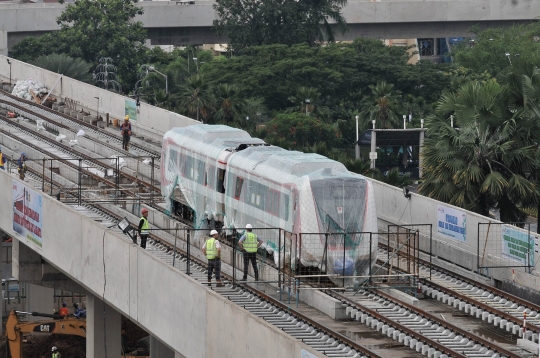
<point x="97" y="108"/>
<point x="9" y="63"/>
<point x="357" y="147"/>
<point x="308" y="101"/>
<point x="509" y="59"/>
<point x="153" y="69"/>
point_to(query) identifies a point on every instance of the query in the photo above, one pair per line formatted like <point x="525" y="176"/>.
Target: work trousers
<point x="143" y="240"/>
<point x="253" y="257"/>
<point x="214" y="264"/>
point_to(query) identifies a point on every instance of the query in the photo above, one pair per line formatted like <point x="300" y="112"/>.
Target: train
<point x="307" y="208"/>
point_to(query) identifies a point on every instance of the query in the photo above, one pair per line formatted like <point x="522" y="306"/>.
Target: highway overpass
<point x="177" y="23"/>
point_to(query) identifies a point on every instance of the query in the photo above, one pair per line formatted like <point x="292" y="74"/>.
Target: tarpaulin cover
<point x="225" y="175"/>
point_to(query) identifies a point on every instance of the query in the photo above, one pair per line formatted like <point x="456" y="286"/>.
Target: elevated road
<point x="174" y="22"/>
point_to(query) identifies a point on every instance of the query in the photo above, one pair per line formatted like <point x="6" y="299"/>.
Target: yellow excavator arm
<point x="15" y="329"/>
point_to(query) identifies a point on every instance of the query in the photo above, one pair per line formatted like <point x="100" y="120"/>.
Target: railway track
<point x="68" y="156"/>
<point x="55" y="120"/>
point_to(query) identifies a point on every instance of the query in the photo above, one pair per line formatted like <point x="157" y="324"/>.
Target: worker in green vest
<point x="212" y="250"/>
<point x="55" y="353"/>
<point x="2" y="160"/>
<point x="249" y="243"/>
<point x="144" y="226"/>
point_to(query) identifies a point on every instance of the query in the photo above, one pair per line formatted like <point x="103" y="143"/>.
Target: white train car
<point x="221" y="177"/>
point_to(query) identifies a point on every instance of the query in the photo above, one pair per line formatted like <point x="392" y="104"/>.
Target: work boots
<point x="219" y="284"/>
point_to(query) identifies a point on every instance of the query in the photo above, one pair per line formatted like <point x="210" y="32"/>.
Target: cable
<point x="408" y="201"/>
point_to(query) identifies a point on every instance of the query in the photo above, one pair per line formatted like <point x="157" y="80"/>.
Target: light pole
<point x="452" y="120"/>
<point x="97" y="108"/>
<point x="404" y="121"/>
<point x="509" y="59"/>
<point x="196" y="63"/>
<point x="9" y="63"/>
<point x="153" y="69"/>
<point x="357" y="147"/>
<point x="308" y="101"/>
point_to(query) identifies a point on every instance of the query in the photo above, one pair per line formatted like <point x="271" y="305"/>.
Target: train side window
<point x="238" y="188"/>
<point x="220" y="187"/>
<point x="286" y="212"/>
<point x="272" y="202"/>
<point x="173" y="156"/>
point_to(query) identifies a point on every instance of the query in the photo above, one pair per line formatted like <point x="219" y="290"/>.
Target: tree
<point x="30" y="48"/>
<point x="230" y="105"/>
<point x="254" y="23"/>
<point x="487" y="51"/>
<point x="195" y="98"/>
<point x="490" y="160"/>
<point x="300" y="131"/>
<point x="382" y="106"/>
<point x="91" y="29"/>
<point x="75" y="68"/>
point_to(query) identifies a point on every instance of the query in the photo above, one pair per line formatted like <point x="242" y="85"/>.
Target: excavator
<point x="56" y="325"/>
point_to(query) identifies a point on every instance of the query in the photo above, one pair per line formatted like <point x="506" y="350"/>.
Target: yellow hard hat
<point x="126" y="118"/>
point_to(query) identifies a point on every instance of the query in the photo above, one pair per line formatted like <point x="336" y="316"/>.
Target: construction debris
<point x="31" y="90"/>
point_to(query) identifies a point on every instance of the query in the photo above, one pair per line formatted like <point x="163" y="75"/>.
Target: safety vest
<point x="1" y="161"/>
<point x="211" y="249"/>
<point x="55" y="355"/>
<point x="250" y="243"/>
<point x="145" y="226"/>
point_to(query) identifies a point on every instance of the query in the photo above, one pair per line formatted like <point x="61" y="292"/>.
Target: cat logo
<point x="45" y="328"/>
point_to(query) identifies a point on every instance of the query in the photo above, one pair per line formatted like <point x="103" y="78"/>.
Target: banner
<point x="518" y="246"/>
<point x="27" y="219"/>
<point x="131" y="109"/>
<point x="451" y="222"/>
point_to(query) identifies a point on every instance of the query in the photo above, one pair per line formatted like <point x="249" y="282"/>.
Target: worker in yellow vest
<point x="212" y="250"/>
<point x="2" y="160"/>
<point x="249" y="243"/>
<point x="144" y="226"/>
<point x="55" y="353"/>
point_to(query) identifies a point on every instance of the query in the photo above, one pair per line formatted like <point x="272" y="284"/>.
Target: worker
<point x="249" y="243"/>
<point x="144" y="227"/>
<point x="22" y="165"/>
<point x="212" y="250"/>
<point x="55" y="353"/>
<point x="125" y="130"/>
<point x="2" y="160"/>
<point x="64" y="312"/>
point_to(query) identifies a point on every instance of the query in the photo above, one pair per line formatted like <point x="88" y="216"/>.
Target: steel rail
<point x="397" y="325"/>
<point x="448" y="325"/>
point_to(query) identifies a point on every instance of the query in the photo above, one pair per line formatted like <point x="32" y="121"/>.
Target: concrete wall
<point x="153" y="121"/>
<point x="394" y="208"/>
<point x="186" y="316"/>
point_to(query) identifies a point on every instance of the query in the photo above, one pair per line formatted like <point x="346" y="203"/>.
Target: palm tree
<point x="230" y="105"/>
<point x="304" y="100"/>
<point x="382" y="106"/>
<point x="75" y="68"/>
<point x="486" y="162"/>
<point x="195" y="98"/>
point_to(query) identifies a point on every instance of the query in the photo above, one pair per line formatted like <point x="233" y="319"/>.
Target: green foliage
<point x="491" y="160"/>
<point x="33" y="47"/>
<point x="229" y="104"/>
<point x="487" y="53"/>
<point x="382" y="106"/>
<point x="254" y="23"/>
<point x="195" y="97"/>
<point x="299" y="131"/>
<point x="75" y="68"/>
<point x="393" y="177"/>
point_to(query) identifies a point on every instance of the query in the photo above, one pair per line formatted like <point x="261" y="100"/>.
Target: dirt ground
<point x="69" y="346"/>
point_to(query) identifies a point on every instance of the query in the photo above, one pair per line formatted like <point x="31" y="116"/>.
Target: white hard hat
<point x="248" y="226"/>
<point x="213" y="232"/>
<point x="53" y="348"/>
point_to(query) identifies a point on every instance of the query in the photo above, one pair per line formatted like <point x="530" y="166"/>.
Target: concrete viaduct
<point x="181" y="23"/>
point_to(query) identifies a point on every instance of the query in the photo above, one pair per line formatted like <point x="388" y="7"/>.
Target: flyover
<point x="183" y="317"/>
<point x="181" y="23"/>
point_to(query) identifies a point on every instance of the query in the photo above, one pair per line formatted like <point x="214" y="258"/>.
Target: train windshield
<point x="340" y="203"/>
